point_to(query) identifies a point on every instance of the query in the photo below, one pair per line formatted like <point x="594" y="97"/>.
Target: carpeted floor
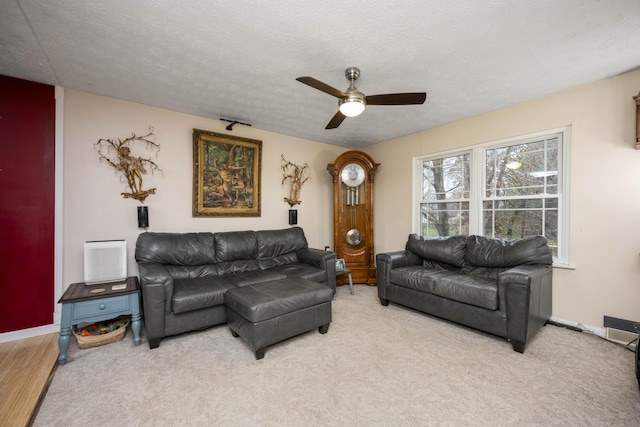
<point x="377" y="366"/>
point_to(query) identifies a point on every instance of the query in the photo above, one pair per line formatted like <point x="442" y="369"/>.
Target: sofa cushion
<point x="274" y="243"/>
<point x="486" y="272"/>
<point x="491" y="252"/>
<point x="268" y="263"/>
<point x="305" y="271"/>
<point x="185" y="249"/>
<point x="417" y="277"/>
<point x="478" y="291"/>
<point x="449" y="250"/>
<point x="245" y="278"/>
<point x="187" y="271"/>
<point x="236" y="245"/>
<point x="237" y="266"/>
<point x="198" y="293"/>
<point x="473" y="290"/>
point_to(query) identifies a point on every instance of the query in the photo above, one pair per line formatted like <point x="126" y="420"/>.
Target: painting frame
<point x="227" y="175"/>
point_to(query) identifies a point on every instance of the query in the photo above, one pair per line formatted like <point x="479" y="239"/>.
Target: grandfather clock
<point x="353" y="176"/>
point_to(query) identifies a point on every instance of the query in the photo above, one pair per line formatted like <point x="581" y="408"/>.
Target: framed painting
<point x="226" y="175"/>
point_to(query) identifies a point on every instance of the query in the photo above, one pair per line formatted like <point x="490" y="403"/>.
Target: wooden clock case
<point x="353" y="212"/>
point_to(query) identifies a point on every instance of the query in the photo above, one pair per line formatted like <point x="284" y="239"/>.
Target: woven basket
<point x="97" y="340"/>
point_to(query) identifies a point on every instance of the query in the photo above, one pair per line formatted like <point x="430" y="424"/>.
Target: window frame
<point x="478" y="179"/>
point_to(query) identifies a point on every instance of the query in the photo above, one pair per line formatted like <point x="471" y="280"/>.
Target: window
<point x="508" y="189"/>
<point x="444" y="210"/>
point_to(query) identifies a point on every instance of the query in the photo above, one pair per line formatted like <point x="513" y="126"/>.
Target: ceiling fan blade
<point x="317" y="84"/>
<point x="397" y="98"/>
<point x="336" y="120"/>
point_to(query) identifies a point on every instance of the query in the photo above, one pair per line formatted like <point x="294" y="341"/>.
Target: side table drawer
<point x="101" y="306"/>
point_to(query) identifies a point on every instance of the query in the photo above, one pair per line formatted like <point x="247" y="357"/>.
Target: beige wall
<point x="95" y="210"/>
<point x="605" y="190"/>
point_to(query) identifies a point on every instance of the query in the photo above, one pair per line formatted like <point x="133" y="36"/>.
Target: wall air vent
<point x="622" y="337"/>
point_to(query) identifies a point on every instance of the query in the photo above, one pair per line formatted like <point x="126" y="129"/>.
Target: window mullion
<point x="478" y="180"/>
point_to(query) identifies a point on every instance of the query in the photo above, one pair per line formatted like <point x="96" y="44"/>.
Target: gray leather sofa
<point x="502" y="287"/>
<point x="184" y="276"/>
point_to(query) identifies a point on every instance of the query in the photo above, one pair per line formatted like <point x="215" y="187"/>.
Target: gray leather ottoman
<point x="269" y="312"/>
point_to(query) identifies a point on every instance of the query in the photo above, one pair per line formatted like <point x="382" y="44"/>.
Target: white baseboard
<point x="29" y="333"/>
<point x="601" y="332"/>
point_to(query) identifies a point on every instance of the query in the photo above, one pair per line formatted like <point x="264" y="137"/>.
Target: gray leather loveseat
<point x="502" y="287"/>
<point x="184" y="276"/>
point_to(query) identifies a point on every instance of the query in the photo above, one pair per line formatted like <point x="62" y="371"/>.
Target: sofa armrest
<point x="325" y="260"/>
<point x="385" y="262"/>
<point x="156" y="284"/>
<point x="525" y="294"/>
<point x="398" y="259"/>
<point x="315" y="257"/>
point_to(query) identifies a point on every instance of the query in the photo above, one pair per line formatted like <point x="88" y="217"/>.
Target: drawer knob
<point x="101" y="306"/>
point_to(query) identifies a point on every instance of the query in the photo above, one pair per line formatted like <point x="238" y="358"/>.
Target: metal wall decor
<point x="131" y="167"/>
<point x="297" y="175"/>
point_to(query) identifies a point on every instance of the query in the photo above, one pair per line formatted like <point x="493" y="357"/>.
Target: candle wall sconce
<point x="143" y="217"/>
<point x="293" y="217"/>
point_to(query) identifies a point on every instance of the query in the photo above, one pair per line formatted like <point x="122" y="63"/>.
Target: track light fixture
<point x="232" y="123"/>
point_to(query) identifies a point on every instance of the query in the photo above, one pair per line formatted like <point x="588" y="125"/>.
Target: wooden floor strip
<point x="26" y="369"/>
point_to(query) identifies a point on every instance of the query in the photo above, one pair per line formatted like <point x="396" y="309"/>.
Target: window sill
<point x="563" y="266"/>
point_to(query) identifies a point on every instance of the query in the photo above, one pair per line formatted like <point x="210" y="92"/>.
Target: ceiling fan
<point x="353" y="102"/>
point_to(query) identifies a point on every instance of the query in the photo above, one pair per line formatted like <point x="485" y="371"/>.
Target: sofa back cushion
<point x="448" y="250"/>
<point x="236" y="245"/>
<point x="278" y="247"/>
<point x="499" y="253"/>
<point x="273" y="243"/>
<point x="182" y="249"/>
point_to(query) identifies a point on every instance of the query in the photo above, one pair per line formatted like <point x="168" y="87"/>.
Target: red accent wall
<point x="27" y="203"/>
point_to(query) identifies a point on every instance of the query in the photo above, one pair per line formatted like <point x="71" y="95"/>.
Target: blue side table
<point x="95" y="303"/>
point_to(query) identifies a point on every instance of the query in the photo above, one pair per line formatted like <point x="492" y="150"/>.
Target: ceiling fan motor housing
<point x="352" y="74"/>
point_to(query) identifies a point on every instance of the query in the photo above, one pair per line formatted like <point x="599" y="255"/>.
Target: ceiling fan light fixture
<point x="351" y="107"/>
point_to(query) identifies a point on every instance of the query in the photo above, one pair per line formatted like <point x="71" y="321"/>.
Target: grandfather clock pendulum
<point x="353" y="177"/>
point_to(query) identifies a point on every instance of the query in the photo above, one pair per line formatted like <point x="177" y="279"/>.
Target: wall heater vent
<point x="622" y="337"/>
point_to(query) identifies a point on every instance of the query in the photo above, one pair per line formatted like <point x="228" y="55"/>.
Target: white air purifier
<point x="105" y="261"/>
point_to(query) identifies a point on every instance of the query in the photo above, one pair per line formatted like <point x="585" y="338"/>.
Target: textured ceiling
<point x="239" y="59"/>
